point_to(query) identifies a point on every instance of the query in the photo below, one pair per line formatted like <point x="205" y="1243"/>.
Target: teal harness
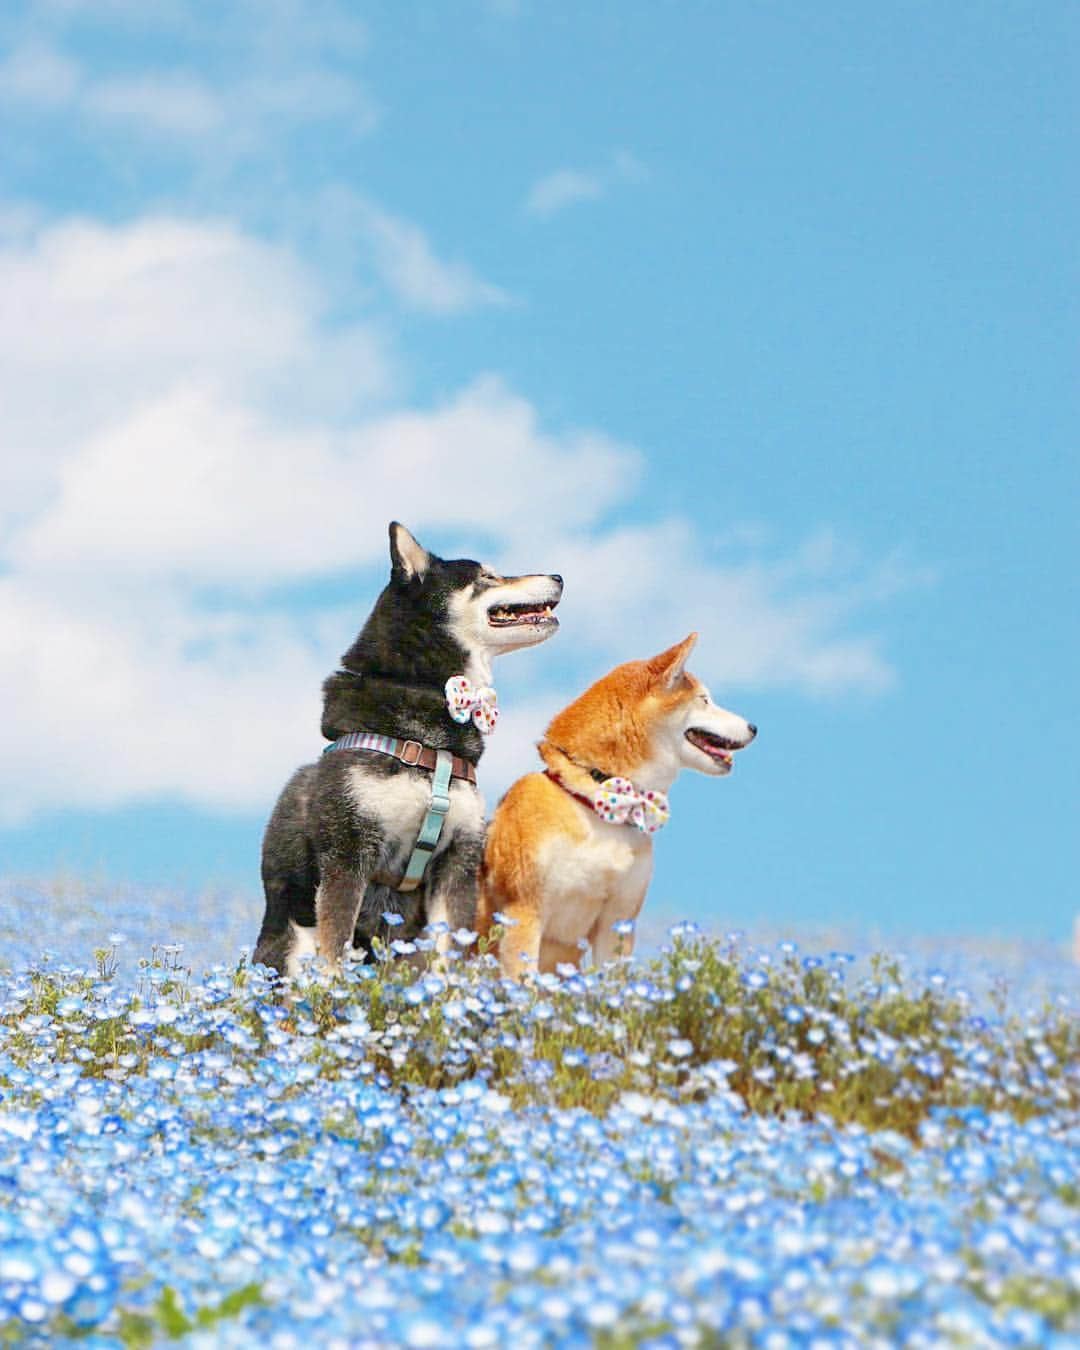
<point x="431" y="830"/>
<point x="408" y="752"/>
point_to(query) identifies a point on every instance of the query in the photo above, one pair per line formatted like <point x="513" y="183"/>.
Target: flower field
<point x="721" y="1143"/>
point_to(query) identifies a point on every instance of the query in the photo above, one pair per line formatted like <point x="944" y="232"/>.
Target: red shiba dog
<point x="569" y="851"/>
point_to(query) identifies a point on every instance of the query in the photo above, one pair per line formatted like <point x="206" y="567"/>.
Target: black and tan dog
<point x="344" y="832"/>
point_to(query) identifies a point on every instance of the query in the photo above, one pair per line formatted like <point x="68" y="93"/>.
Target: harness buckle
<point x="415" y="749"/>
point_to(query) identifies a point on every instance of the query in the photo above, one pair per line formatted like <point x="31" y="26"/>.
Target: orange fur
<point x="610" y="727"/>
<point x="611" y="724"/>
<point x="533" y="810"/>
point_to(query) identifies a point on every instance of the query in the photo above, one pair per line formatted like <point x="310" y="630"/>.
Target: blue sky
<point x="753" y="319"/>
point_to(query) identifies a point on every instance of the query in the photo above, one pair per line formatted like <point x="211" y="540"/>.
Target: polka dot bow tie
<point x="620" y="803"/>
<point x="477" y="703"/>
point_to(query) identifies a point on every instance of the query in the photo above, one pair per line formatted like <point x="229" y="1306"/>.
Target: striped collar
<point x="410" y="753"/>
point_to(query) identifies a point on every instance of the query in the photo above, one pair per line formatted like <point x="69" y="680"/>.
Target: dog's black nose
<point x="751" y="728"/>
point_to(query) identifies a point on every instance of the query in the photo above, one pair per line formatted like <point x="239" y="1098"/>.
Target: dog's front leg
<point x="624" y="903"/>
<point x="337" y="904"/>
<point x="451" y="896"/>
<point x="607" y="944"/>
<point x="554" y="954"/>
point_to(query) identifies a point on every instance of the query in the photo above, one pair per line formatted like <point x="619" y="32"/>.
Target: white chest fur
<point x="399" y="802"/>
<point x="601" y="878"/>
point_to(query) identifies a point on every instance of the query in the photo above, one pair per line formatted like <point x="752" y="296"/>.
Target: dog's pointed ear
<point x="408" y="559"/>
<point x="668" y="668"/>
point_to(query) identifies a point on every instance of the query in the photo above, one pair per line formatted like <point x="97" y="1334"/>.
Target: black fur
<point x="392" y="682"/>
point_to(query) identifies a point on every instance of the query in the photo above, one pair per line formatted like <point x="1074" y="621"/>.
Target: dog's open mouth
<point x="513" y="616"/>
<point x="716" y="747"/>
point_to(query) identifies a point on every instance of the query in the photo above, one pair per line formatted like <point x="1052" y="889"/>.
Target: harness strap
<point x="411" y="753"/>
<point x="432" y="828"/>
<point x="445" y="766"/>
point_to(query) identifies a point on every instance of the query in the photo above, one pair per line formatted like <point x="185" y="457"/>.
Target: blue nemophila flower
<point x="387" y="1155"/>
<point x="391" y="919"/>
<point x="623" y="927"/>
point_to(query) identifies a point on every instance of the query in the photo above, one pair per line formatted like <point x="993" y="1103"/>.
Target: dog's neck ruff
<point x="619" y="802"/>
<point x="597" y="775"/>
<point x="466" y="700"/>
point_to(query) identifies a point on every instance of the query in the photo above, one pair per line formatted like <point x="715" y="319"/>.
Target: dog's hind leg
<point x="519" y="946"/>
<point x="274" y="948"/>
<point x="289" y="874"/>
<point x="288" y="925"/>
<point x="337" y="905"/>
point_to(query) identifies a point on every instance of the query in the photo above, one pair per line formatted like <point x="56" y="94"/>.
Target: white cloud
<point x="231" y="122"/>
<point x="185" y="423"/>
<point x="98" y="11"/>
<point x="289" y="67"/>
<point x="565" y="187"/>
<point x="167" y="103"/>
<point x="405" y="260"/>
<point x="101" y="322"/>
<point x="762" y="621"/>
<point x="103" y="706"/>
<point x="562" y="188"/>
<point x="191" y="485"/>
<point x="37" y="74"/>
